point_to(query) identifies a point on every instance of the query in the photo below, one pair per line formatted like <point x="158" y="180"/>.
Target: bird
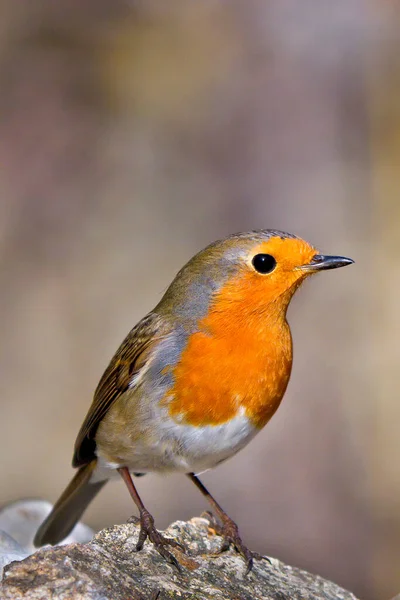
<point x="195" y="380"/>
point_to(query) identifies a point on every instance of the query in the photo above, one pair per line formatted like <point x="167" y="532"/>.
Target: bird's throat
<point x="239" y="365"/>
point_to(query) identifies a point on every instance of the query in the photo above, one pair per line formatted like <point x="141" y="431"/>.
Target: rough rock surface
<point x="108" y="568"/>
<point x="18" y="524"/>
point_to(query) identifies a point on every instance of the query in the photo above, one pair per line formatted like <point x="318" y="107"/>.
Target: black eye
<point x="264" y="263"/>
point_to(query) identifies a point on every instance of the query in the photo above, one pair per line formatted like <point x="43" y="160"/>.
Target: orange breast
<point x="242" y="363"/>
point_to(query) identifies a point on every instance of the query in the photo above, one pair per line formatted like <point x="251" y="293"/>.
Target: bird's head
<point x="258" y="271"/>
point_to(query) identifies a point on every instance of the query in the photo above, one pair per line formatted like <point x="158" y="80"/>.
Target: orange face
<point x="268" y="277"/>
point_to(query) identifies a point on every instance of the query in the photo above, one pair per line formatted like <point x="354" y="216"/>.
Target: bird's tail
<point x="69" y="507"/>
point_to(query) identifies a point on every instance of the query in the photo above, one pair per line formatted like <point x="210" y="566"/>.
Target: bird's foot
<point x="229" y="531"/>
<point x="148" y="530"/>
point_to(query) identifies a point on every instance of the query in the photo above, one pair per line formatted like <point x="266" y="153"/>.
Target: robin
<point x="195" y="380"/>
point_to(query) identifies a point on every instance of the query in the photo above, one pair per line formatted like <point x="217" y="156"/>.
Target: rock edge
<point x="108" y="568"/>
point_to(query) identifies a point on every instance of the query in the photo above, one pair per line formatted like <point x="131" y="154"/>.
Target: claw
<point x="169" y="557"/>
<point x="148" y="530"/>
<point x="176" y="544"/>
<point x="230" y="534"/>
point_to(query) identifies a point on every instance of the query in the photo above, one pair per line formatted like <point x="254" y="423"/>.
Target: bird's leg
<point x="147" y="528"/>
<point x="229" y="530"/>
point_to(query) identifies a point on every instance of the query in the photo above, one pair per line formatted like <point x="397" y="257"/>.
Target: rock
<point x="108" y="568"/>
<point x="18" y="524"/>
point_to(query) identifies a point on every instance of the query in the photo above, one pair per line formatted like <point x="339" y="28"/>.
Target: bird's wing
<point x="130" y="357"/>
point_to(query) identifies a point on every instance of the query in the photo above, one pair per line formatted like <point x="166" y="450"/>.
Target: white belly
<point x="185" y="448"/>
<point x="205" y="447"/>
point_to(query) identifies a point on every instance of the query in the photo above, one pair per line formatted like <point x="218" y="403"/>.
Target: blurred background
<point x="134" y="133"/>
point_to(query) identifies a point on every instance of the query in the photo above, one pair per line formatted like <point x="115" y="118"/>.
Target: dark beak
<point x="320" y="262"/>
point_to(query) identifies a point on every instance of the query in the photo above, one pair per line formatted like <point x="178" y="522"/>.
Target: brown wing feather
<point x="127" y="361"/>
